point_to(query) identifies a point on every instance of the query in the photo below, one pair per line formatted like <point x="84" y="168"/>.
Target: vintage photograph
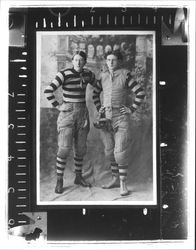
<point x="96" y="118"/>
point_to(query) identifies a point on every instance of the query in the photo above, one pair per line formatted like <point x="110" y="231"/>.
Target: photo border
<point x="154" y="201"/>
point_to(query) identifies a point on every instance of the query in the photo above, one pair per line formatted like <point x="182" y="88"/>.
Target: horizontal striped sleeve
<point x="96" y="95"/>
<point x="49" y="91"/>
<point x="59" y="79"/>
<point x="137" y="89"/>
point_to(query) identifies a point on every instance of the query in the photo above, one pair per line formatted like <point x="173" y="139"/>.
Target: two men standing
<point x="73" y="121"/>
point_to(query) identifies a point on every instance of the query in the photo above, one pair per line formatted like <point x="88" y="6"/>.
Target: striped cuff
<point x="132" y="109"/>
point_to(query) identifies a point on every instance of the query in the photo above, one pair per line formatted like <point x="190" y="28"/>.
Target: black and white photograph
<point x="96" y="118"/>
<point x="99" y="102"/>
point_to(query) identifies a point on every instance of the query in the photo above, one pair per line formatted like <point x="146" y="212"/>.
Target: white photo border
<point x="39" y="35"/>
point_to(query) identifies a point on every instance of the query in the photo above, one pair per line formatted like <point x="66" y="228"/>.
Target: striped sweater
<point x="73" y="84"/>
<point x="116" y="88"/>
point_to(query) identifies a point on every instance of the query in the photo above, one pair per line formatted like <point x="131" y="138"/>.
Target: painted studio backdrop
<point x="54" y="52"/>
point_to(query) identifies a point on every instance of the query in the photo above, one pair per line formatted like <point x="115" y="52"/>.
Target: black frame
<point x="156" y="216"/>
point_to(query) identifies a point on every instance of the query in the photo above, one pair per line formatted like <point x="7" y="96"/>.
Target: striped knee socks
<point x="123" y="172"/>
<point x="114" y="168"/>
<point x="60" y="166"/>
<point x="78" y="161"/>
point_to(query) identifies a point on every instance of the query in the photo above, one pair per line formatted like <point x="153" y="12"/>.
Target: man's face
<point x="78" y="63"/>
<point x="112" y="62"/>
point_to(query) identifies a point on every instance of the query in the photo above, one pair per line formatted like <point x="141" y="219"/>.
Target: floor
<point x="140" y="193"/>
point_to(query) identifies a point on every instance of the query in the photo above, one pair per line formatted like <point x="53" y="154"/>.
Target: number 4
<point x="10" y="157"/>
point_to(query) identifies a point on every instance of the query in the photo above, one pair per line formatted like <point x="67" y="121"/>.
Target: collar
<point x="76" y="72"/>
<point x="115" y="72"/>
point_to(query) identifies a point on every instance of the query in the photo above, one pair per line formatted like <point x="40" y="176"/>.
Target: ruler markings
<point x="75" y="23"/>
<point x="115" y="20"/>
<point x="22" y="189"/>
<point x="146" y="19"/>
<point x="21" y="158"/>
<point x="22" y="182"/>
<point x="131" y="19"/>
<point x="21" y="198"/>
<point x="108" y="19"/>
<point x="23" y="68"/>
<point x="92" y="20"/>
<point x="59" y="19"/>
<point x="18" y="60"/>
<point x="154" y="19"/>
<point x="123" y="20"/>
<point x="21" y="168"/>
<point x="19" y="174"/>
<point x="44" y="22"/>
<point x="139" y="19"/>
<point x="99" y="20"/>
<point x="21" y="150"/>
<point x="21" y="205"/>
<point x="22" y="76"/>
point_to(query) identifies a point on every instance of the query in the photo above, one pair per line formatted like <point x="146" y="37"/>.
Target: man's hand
<point x="59" y="107"/>
<point x="101" y="110"/>
<point x="125" y="110"/>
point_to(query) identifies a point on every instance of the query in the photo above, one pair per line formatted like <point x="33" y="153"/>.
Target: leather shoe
<point x="59" y="186"/>
<point x="79" y="180"/>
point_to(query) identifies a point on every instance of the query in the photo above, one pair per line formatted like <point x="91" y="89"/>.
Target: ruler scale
<point x="18" y="181"/>
<point x="19" y="88"/>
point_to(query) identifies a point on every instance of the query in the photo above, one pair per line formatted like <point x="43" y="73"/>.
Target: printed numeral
<point x="11" y="125"/>
<point x="11" y="222"/>
<point x="11" y="94"/>
<point x="10" y="157"/>
<point x="11" y="190"/>
<point x="92" y="10"/>
<point x="124" y="9"/>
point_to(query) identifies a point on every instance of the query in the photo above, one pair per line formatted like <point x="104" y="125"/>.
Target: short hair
<point x="116" y="53"/>
<point x="80" y="53"/>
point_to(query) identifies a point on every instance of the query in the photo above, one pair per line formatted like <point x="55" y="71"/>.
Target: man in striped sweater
<point x="73" y="120"/>
<point x="116" y="84"/>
